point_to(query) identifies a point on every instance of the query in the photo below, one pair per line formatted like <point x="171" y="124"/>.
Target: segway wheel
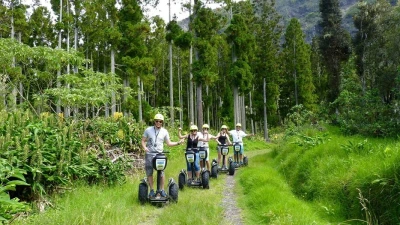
<point x="245" y="161"/>
<point x="173" y="192"/>
<point x="214" y="171"/>
<point x="205" y="180"/>
<point x="143" y="191"/>
<point x="182" y="180"/>
<point x="231" y="168"/>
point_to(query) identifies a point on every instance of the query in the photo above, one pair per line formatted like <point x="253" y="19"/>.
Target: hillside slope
<point x="307" y="11"/>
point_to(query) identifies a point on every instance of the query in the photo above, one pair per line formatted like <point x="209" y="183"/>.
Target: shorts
<point x="148" y="164"/>
<point x="219" y="149"/>
<point x="241" y="150"/>
<point x="208" y="153"/>
<point x="196" y="164"/>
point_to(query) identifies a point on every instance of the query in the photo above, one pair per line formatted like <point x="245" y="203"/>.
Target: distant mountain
<point x="307" y="12"/>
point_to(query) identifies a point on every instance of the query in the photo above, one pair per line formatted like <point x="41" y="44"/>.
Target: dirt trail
<point x="232" y="213"/>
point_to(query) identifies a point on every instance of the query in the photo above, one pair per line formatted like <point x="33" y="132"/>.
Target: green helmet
<point x="224" y="127"/>
<point x="193" y="127"/>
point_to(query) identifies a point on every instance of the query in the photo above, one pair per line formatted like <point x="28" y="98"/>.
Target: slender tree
<point x="266" y="65"/>
<point x="42" y="28"/>
<point x="205" y="26"/>
<point x="242" y="42"/>
<point x="334" y="43"/>
<point x="297" y="87"/>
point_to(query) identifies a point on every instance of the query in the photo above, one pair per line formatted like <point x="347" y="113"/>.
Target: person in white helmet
<point x="192" y="142"/>
<point x="237" y="136"/>
<point x="222" y="139"/>
<point x="205" y="137"/>
<point x="153" y="142"/>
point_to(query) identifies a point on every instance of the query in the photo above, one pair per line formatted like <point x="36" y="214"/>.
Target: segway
<point x="214" y="168"/>
<point x="237" y="147"/>
<point x="204" y="173"/>
<point x="183" y="179"/>
<point x="224" y="169"/>
<point x="159" y="164"/>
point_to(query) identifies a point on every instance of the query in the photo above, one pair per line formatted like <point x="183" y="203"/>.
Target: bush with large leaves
<point x="42" y="153"/>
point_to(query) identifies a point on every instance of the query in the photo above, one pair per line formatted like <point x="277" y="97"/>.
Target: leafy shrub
<point x="10" y="178"/>
<point x="49" y="151"/>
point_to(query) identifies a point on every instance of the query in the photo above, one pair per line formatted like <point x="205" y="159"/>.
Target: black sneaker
<point x="163" y="194"/>
<point x="152" y="194"/>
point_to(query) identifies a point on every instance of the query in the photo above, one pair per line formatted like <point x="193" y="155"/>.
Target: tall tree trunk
<point x="107" y="107"/>
<point x="208" y="108"/>
<point x="295" y="72"/>
<point x="21" y="87"/>
<point x="191" y="94"/>
<point x="236" y="104"/>
<point x="14" y="91"/>
<point x="251" y="112"/>
<point x="67" y="107"/>
<point x="199" y="105"/>
<point x="243" y="112"/>
<point x="58" y="107"/>
<point x="113" y="98"/>
<point x="180" y="90"/>
<point x="139" y="99"/>
<point x="124" y="96"/>
<point x="171" y="77"/>
<point x="265" y="112"/>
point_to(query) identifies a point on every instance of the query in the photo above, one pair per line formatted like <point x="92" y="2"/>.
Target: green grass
<point x="307" y="179"/>
<point x="265" y="190"/>
<point x="119" y="204"/>
<point x="332" y="175"/>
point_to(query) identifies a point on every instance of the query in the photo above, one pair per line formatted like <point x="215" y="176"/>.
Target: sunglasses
<point x="205" y="128"/>
<point x="158" y="121"/>
<point x="193" y="130"/>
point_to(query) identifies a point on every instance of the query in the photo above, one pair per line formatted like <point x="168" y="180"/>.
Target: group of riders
<point x="155" y="136"/>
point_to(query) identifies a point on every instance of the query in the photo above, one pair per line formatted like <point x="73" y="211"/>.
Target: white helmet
<point x="158" y="116"/>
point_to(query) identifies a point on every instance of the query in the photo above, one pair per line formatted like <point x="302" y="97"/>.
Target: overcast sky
<point x="161" y="10"/>
<point x="176" y="8"/>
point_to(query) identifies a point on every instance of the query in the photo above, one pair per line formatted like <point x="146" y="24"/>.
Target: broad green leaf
<point x="17" y="182"/>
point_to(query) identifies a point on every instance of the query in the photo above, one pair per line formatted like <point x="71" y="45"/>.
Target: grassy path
<point x="119" y="204"/>
<point x="232" y="212"/>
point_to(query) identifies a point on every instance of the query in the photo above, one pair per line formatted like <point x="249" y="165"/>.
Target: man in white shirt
<point x="237" y="136"/>
<point x="152" y="143"/>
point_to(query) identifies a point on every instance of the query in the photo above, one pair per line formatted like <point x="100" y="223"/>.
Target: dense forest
<point x="86" y="76"/>
<point x="247" y="64"/>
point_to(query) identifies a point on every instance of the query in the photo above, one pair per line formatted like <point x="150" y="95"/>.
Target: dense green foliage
<point x="349" y="177"/>
<point x="298" y="80"/>
<point x="334" y="44"/>
<point x="40" y="155"/>
<point x="112" y="61"/>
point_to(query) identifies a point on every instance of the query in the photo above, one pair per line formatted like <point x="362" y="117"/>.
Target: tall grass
<point x="332" y="174"/>
<point x="267" y="198"/>
<point x="119" y="204"/>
